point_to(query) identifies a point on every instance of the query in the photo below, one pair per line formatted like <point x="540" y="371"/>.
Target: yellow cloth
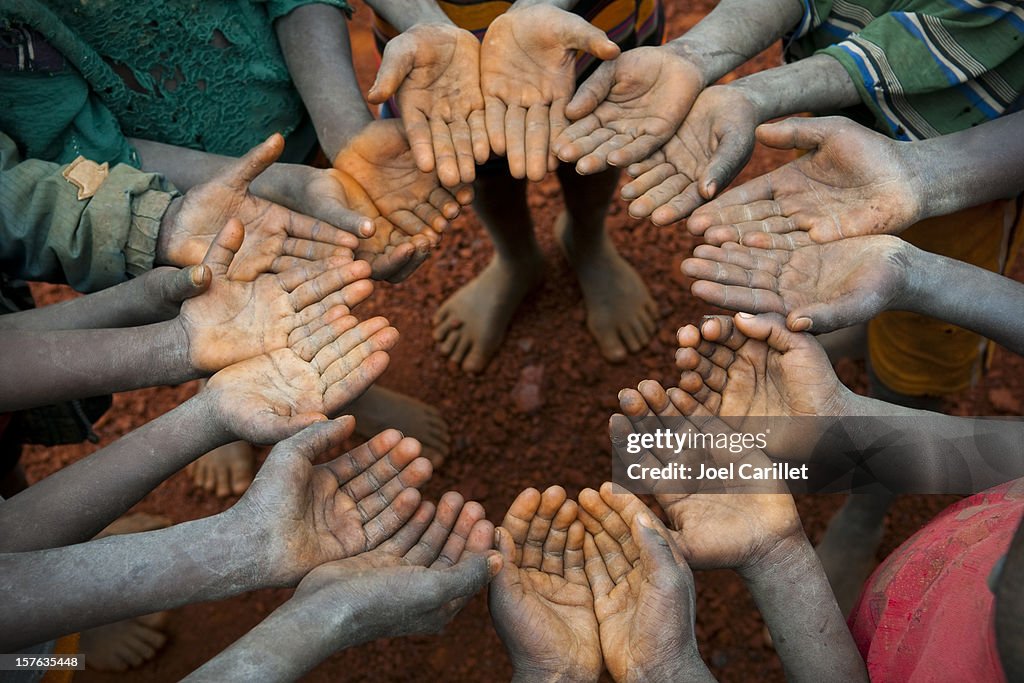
<point x="917" y="355"/>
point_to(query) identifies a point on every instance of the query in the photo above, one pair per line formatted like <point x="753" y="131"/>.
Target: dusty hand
<point x="270" y="397"/>
<point x="628" y="108"/>
<point x="852" y="182"/>
<point x="541" y="602"/>
<point x="714" y="530"/>
<point x="819" y="287"/>
<point x="239" y="319"/>
<point x="434" y="71"/>
<point x="380" y="161"/>
<point x="705" y="154"/>
<point x="276" y="238"/>
<point x="527" y="73"/>
<point x="643" y="590"/>
<point x="416" y="581"/>
<point x="165" y="289"/>
<point x="314" y="514"/>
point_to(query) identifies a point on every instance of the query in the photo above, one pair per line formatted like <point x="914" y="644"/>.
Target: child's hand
<point x="643" y="590"/>
<point x="165" y="289"/>
<point x="853" y="181"/>
<point x="276" y="238"/>
<point x="312" y="514"/>
<point x="527" y="73"/>
<point x="705" y="154"/>
<point x="628" y="108"/>
<point x="380" y="161"/>
<point x="541" y="602"/>
<point x="236" y="320"/>
<point x="416" y="581"/>
<point x="270" y="397"/>
<point x="434" y="70"/>
<point x="819" y="287"/>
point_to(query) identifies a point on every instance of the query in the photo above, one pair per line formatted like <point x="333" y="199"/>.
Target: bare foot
<point x="225" y="471"/>
<point x="379" y="409"/>
<point x="131" y="643"/>
<point x="471" y="324"/>
<point x="125" y="644"/>
<point x="620" y="311"/>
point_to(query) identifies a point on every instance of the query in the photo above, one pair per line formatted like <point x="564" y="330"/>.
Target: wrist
<point x="528" y="674"/>
<point x="926" y="180"/>
<point x="170" y="349"/>
<point x="682" y="666"/>
<point x="206" y="407"/>
<point x="779" y="561"/>
<point x="165" y="236"/>
<point x="693" y="53"/>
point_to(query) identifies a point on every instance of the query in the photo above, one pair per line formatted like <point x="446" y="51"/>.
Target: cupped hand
<point x="541" y="602"/>
<point x="628" y="108"/>
<point x="270" y="397"/>
<point x="705" y="154"/>
<point x="380" y="161"/>
<point x="312" y="514"/>
<point x="643" y="590"/>
<point x="713" y="530"/>
<point x="417" y="580"/>
<point x="527" y="74"/>
<point x="239" y="319"/>
<point x="276" y="238"/>
<point x="819" y="287"/>
<point x="433" y="70"/>
<point x="853" y="181"/>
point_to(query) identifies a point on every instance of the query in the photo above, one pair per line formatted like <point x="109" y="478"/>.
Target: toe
<point x="448" y="345"/>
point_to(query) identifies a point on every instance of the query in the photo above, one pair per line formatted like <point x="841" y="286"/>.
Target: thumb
<point x="734" y="150"/>
<point x="580" y="34"/>
<point x="472" y="572"/>
<point x="185" y="283"/>
<point x="795" y="133"/>
<point x="397" y="61"/>
<point x="656" y="550"/>
<point x="225" y="245"/>
<point x="591" y="92"/>
<point x="238" y="174"/>
<point x="767" y="327"/>
<point x="825" y="317"/>
<point x="312" y="434"/>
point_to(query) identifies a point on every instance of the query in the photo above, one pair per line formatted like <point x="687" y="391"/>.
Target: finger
<point x="556" y="124"/>
<point x="478" y="134"/>
<point x="576" y="33"/>
<point x="225" y="245"/>
<point x="382" y="482"/>
<point x="573" y="560"/>
<point x="351" y="386"/>
<point x="346" y="340"/>
<point x="396" y="63"/>
<point x="797" y="132"/>
<point x="679" y="207"/>
<point x="405" y="538"/>
<point x="345" y="300"/>
<point x="591" y="92"/>
<point x="515" y="140"/>
<point x="238" y="174"/>
<point x="429" y="546"/>
<point x="721" y="211"/>
<point x="356" y="461"/>
<point x="315" y="440"/>
<point x="656" y="547"/>
<point x="321" y="335"/>
<point x="577" y="138"/>
<point x="551" y="503"/>
<point x="494" y="119"/>
<point x="178" y="284"/>
<point x="517" y="521"/>
<point x="337" y="276"/>
<point x="462" y="140"/>
<point x="444" y="152"/>
<point x="644" y="183"/>
<point x="738" y="298"/>
<point x="468" y="576"/>
<point x="380" y="341"/>
<point x="538" y="133"/>
<point x="448" y="204"/>
<point x="553" y="559"/>
<point x="457" y="541"/>
<point x="732" y="154"/>
<point x="600" y="580"/>
<point x="639" y="149"/>
<point x="306" y="228"/>
<point x="391" y="518"/>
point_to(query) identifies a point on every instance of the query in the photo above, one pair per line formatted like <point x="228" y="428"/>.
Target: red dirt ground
<point x="498" y="452"/>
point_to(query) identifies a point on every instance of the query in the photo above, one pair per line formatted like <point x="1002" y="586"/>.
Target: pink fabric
<point x="926" y="614"/>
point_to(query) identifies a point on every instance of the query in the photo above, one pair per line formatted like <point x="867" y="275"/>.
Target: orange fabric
<point x="917" y="355"/>
<point x="68" y="645"/>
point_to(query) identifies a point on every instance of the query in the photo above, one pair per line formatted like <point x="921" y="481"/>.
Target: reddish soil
<point x="498" y="451"/>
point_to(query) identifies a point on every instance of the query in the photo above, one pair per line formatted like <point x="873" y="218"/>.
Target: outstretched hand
<point x="853" y="181"/>
<point x="417" y="580"/>
<point x="705" y="154"/>
<point x="312" y="514"/>
<point x="270" y="397"/>
<point x="527" y="74"/>
<point x="239" y="319"/>
<point x="628" y="108"/>
<point x="277" y="238"/>
<point x="643" y="590"/>
<point x="434" y="72"/>
<point x="819" y="287"/>
<point x="541" y="602"/>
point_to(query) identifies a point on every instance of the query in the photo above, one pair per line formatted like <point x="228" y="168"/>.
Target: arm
<point x="398" y="589"/>
<point x="404" y="14"/>
<point x="314" y="40"/>
<point x="297" y="517"/>
<point x="1010" y="608"/>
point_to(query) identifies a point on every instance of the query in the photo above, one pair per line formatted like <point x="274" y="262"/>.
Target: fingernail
<point x="497" y="535"/>
<point x="197" y="275"/>
<point x="644" y="520"/>
<point x="802" y="324"/>
<point x="745" y="316"/>
<point x="493" y="564"/>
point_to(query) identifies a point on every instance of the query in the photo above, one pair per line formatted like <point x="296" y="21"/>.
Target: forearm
<point x="284" y="646"/>
<point x="975" y="166"/>
<point x="807" y="628"/>
<point x="817" y="84"/>
<point x="77" y="502"/>
<point x="40" y="368"/>
<point x="560" y="4"/>
<point x="315" y="43"/>
<point x="948" y="289"/>
<point x="733" y="32"/>
<point x="49" y="593"/>
<point x="404" y="14"/>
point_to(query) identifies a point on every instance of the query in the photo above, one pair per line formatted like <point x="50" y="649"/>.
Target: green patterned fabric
<point x="204" y="74"/>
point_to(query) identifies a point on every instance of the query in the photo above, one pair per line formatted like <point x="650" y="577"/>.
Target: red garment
<point x="927" y="612"/>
